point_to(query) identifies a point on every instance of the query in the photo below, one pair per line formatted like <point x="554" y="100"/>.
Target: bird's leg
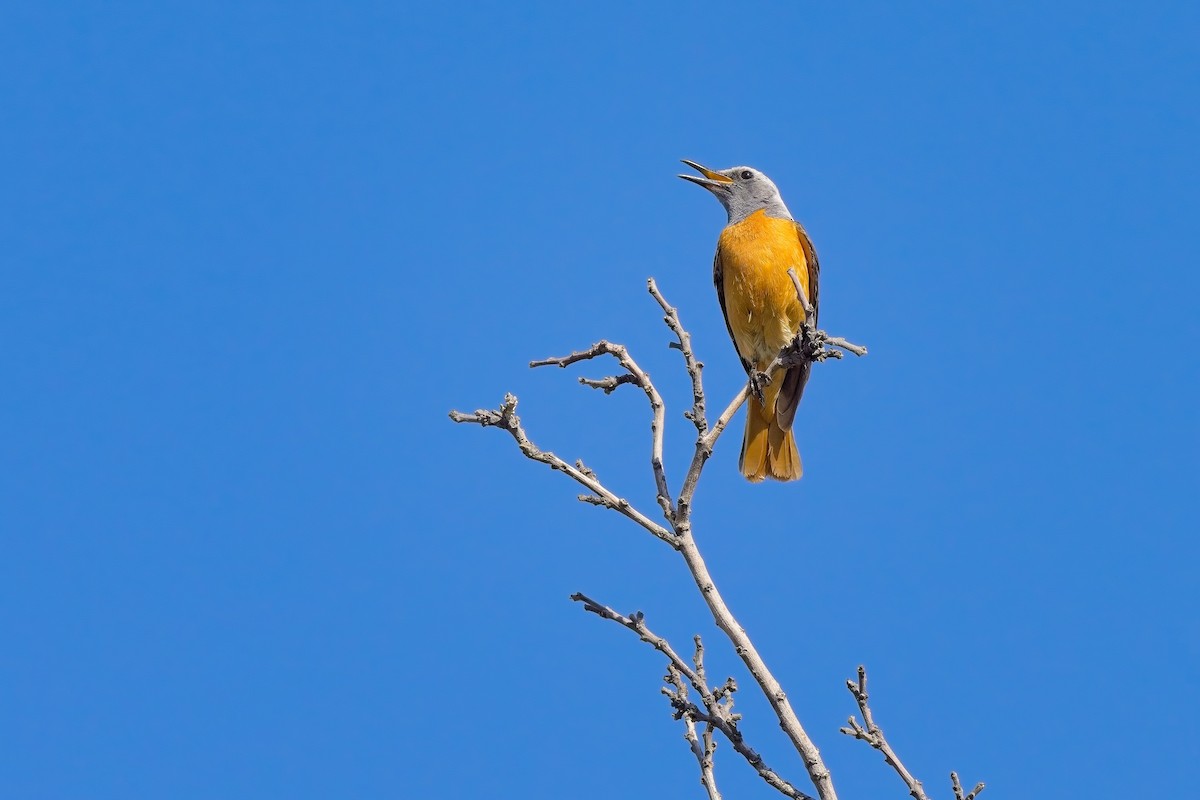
<point x="809" y="346"/>
<point x="758" y="380"/>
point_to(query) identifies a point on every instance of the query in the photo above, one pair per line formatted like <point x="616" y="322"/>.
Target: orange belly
<point x="760" y="301"/>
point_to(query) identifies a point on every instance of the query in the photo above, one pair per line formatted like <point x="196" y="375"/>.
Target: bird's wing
<point x="797" y="377"/>
<point x="719" y="280"/>
<point x="814" y="268"/>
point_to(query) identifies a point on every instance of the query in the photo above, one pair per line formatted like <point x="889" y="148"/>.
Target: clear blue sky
<point x="253" y="253"/>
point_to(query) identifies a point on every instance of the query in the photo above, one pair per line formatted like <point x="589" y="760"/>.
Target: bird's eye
<point x="747" y="174"/>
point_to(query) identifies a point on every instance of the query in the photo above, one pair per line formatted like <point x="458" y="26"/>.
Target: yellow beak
<point x="711" y="179"/>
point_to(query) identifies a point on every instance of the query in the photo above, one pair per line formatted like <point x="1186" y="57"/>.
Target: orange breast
<point x="760" y="300"/>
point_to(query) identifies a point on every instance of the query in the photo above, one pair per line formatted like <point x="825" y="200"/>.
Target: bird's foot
<point x="809" y="347"/>
<point x="758" y="380"/>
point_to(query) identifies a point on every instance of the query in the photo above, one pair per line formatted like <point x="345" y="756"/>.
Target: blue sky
<point x="253" y="253"/>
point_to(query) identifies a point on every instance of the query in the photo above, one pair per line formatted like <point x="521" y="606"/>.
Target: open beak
<point x="713" y="181"/>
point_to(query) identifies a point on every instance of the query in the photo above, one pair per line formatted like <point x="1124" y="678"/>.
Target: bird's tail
<point x="768" y="451"/>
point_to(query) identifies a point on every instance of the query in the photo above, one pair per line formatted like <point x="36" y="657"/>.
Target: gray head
<point x="742" y="190"/>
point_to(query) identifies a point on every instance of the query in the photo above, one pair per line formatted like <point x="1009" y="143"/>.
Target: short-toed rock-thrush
<point x="758" y="246"/>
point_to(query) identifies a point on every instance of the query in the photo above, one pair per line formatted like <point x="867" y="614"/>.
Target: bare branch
<point x="710" y="748"/>
<point x="750" y="656"/>
<point x="677" y="692"/>
<point x="698" y="659"/>
<point x="958" y="789"/>
<point x="638" y="377"/>
<point x="608" y="384"/>
<point x="706" y="438"/>
<point x="637" y="624"/>
<point x="697" y="412"/>
<point x="506" y="417"/>
<point x="704" y="449"/>
<point x="872" y="734"/>
<point x="718" y="704"/>
<point x="810" y="313"/>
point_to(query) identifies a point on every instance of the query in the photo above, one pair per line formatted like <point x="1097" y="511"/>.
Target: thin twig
<point x="638" y="377"/>
<point x="694" y="367"/>
<point x="810" y="324"/>
<point x="706" y="437"/>
<point x="958" y="789"/>
<point x="677" y="692"/>
<point x="610" y="383"/>
<point x="506" y="417"/>
<point x="704" y="449"/>
<point x="710" y="748"/>
<point x="704" y="756"/>
<point x="718" y="703"/>
<point x="872" y="734"/>
<point x="637" y="624"/>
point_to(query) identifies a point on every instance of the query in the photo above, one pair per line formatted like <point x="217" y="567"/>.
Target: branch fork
<point x="716" y="712"/>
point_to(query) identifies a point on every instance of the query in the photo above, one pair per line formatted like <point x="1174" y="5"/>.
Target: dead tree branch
<point x="958" y="789"/>
<point x="506" y="418"/>
<point x="636" y="376"/>
<point x="872" y="734"/>
<point x="718" y="703"/>
<point x="703" y="753"/>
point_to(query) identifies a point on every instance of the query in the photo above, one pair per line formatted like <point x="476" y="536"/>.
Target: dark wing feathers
<point x="719" y="280"/>
<point x="797" y="377"/>
<point x="814" y="269"/>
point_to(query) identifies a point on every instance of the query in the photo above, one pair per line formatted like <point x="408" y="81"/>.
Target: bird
<point x="757" y="247"/>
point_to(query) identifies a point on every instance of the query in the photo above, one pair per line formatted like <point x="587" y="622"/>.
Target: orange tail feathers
<point x="768" y="451"/>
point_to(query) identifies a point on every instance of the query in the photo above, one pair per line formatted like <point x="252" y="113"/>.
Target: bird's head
<point x="742" y="190"/>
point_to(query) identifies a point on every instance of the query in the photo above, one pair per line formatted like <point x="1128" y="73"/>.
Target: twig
<point x="704" y="449"/>
<point x="710" y="748"/>
<point x="506" y="417"/>
<point x="718" y="703"/>
<point x="676" y="691"/>
<point x="610" y="383"/>
<point x="812" y="345"/>
<point x="872" y="734"/>
<point x="958" y="789"/>
<point x="639" y="378"/>
<point x="637" y="624"/>
<point x="684" y="344"/>
<point x="706" y="438"/>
